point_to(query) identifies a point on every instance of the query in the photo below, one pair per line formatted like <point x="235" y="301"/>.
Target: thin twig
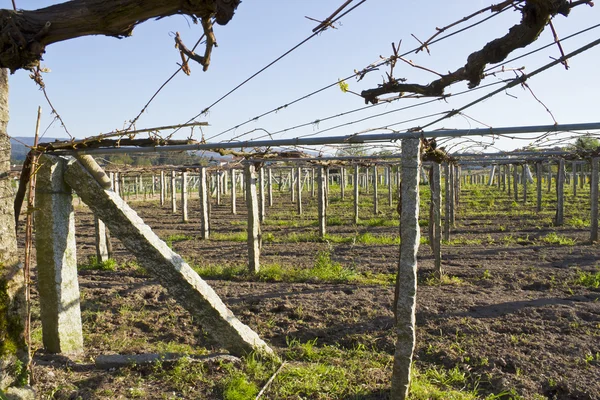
<point x="263" y="390"/>
<point x="327" y="21"/>
<point x="557" y="41"/>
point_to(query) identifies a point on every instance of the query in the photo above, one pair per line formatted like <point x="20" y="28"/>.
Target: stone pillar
<point x="375" y="195"/>
<point x="204" y="200"/>
<point x="254" y="235"/>
<point x="594" y="200"/>
<point x="292" y="186"/>
<point x="173" y="192"/>
<point x="261" y="194"/>
<point x="101" y="235"/>
<point x="342" y="183"/>
<point x="390" y="185"/>
<point x="56" y="259"/>
<point x="218" y="186"/>
<point x="516" y="182"/>
<point x="270" y="182"/>
<point x="525" y="180"/>
<point x="356" y="186"/>
<point x="322" y="214"/>
<point x="435" y="218"/>
<point x="406" y="283"/>
<point x="560" y="194"/>
<point x="491" y="178"/>
<point x="538" y="176"/>
<point x="326" y="187"/>
<point x="162" y="188"/>
<point x="299" y="184"/>
<point x="448" y="202"/>
<point x="574" y="172"/>
<point x="234" y="192"/>
<point x="184" y="196"/>
<point x="312" y="183"/>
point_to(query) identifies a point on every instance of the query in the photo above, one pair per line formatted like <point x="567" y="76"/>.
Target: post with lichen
<point x="322" y="201"/>
<point x="203" y="196"/>
<point x="14" y="354"/>
<point x="560" y="194"/>
<point x="356" y="185"/>
<point x="594" y="200"/>
<point x="406" y="284"/>
<point x="56" y="259"/>
<point x="254" y="236"/>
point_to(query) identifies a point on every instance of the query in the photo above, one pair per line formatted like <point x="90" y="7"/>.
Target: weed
<point x="588" y="279"/>
<point x="94" y="265"/>
<point x="238" y="387"/>
<point x="554" y="238"/>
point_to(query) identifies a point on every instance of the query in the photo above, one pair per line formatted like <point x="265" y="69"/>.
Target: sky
<point x="97" y="84"/>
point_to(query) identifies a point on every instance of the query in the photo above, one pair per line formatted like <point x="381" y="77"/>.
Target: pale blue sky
<point x="98" y="83"/>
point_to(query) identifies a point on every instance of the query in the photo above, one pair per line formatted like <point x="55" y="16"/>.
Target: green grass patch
<point x="94" y="265"/>
<point x="554" y="238"/>
<point x="230" y="237"/>
<point x="178" y="237"/>
<point x="588" y="279"/>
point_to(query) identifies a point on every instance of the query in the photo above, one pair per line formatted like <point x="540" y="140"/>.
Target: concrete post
<point x="261" y="194"/>
<point x="538" y="177"/>
<point x="162" y="188"/>
<point x="560" y="194"/>
<point x="406" y="283"/>
<point x="234" y="192"/>
<point x="254" y="235"/>
<point x="292" y="186"/>
<point x="390" y="185"/>
<point x="516" y="182"/>
<point x="525" y="181"/>
<point x="549" y="177"/>
<point x="299" y="188"/>
<point x="173" y="192"/>
<point x="342" y="183"/>
<point x="375" y="194"/>
<point x="218" y="186"/>
<point x="594" y="200"/>
<point x="270" y="182"/>
<point x="203" y="196"/>
<point x="312" y="183"/>
<point x="56" y="259"/>
<point x="322" y="214"/>
<point x="184" y="196"/>
<point x="574" y="173"/>
<point x="491" y="178"/>
<point x="101" y="235"/>
<point x="356" y="185"/>
<point x="435" y="220"/>
<point x="326" y="187"/>
<point x="448" y="202"/>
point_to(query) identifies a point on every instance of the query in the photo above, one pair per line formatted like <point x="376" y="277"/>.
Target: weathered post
<point x="356" y="185"/>
<point x="509" y="181"/>
<point x="560" y="194"/>
<point x="184" y="196"/>
<point x="292" y="186"/>
<point x="574" y="173"/>
<point x="549" y="177"/>
<point x="261" y="193"/>
<point x="234" y="192"/>
<point x="406" y="283"/>
<point x="516" y="182"/>
<point x="326" y="187"/>
<point x="173" y="192"/>
<point x="375" y="194"/>
<point x="538" y="177"/>
<point x="218" y="186"/>
<point x="203" y="196"/>
<point x="162" y="188"/>
<point x="254" y="236"/>
<point x="448" y="202"/>
<point x="312" y="183"/>
<point x="56" y="259"/>
<point x="491" y="177"/>
<point x="322" y="201"/>
<point x="525" y="181"/>
<point x="435" y="216"/>
<point x="299" y="187"/>
<point x="390" y="186"/>
<point x="101" y="235"/>
<point x="594" y="200"/>
<point x="270" y="182"/>
<point x="342" y="183"/>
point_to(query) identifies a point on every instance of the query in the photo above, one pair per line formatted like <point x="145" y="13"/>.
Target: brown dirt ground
<point x="516" y="320"/>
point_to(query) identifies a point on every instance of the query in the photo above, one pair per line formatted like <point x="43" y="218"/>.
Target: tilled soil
<point x="516" y="319"/>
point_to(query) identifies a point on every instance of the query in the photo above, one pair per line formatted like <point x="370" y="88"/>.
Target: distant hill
<point x="19" y="147"/>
